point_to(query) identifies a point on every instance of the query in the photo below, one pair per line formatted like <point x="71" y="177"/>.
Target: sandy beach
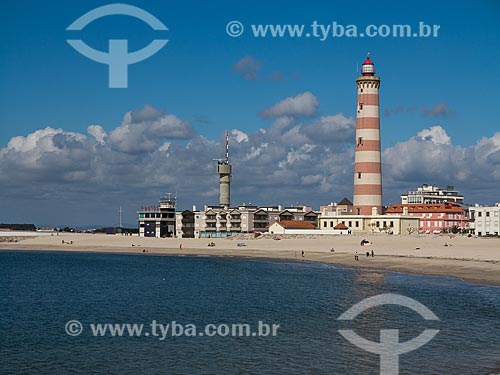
<point x="474" y="260"/>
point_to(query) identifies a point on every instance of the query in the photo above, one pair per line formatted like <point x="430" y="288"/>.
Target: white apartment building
<point x="432" y="194"/>
<point x="220" y="222"/>
<point x="486" y="219"/>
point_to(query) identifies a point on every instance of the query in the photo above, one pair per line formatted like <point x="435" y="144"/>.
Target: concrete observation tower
<point x="224" y="171"/>
<point x="367" y="160"/>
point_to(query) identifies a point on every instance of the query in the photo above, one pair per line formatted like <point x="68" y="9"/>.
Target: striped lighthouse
<point x="367" y="159"/>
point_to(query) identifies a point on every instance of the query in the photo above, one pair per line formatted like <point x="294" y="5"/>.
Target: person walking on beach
<point x="180" y="247"/>
<point x="302" y="253"/>
<point x="373" y="254"/>
<point x="356" y="257"/>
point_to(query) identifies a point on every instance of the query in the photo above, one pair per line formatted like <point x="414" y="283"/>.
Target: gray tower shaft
<point x="224" y="171"/>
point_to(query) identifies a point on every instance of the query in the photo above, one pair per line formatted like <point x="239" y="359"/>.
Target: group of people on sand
<point x="368" y="254"/>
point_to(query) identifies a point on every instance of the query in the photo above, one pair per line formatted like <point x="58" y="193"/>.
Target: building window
<point x="331" y="224"/>
<point x="350" y="224"/>
<point x="356" y="224"/>
<point x="378" y="224"/>
<point x="360" y="106"/>
<point x="359" y="177"/>
<point x="479" y="214"/>
<point x="391" y="224"/>
<point x="324" y="224"/>
<point x="360" y="141"/>
<point x="361" y="90"/>
<point x="487" y="214"/>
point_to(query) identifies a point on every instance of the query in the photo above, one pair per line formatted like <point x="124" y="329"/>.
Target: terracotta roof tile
<point x="295" y="224"/>
<point x="426" y="208"/>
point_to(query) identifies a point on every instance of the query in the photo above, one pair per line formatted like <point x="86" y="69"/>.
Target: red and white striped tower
<point x="367" y="159"/>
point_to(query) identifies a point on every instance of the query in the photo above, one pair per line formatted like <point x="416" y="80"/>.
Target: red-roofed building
<point x="292" y="227"/>
<point x="434" y="218"/>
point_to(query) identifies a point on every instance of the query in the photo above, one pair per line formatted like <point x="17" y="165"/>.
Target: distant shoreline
<point x="479" y="266"/>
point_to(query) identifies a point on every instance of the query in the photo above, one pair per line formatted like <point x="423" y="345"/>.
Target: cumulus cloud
<point x="292" y="160"/>
<point x="45" y="154"/>
<point x="144" y="130"/>
<point x="239" y="136"/>
<point x="435" y="134"/>
<point x="337" y="128"/>
<point x="299" y="106"/>
<point x="98" y="133"/>
<point x="431" y="157"/>
<point x="248" y="67"/>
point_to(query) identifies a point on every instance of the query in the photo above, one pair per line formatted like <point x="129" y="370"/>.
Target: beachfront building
<point x="220" y="222"/>
<point x="184" y="223"/>
<point x="344" y="207"/>
<point x="403" y="224"/>
<point x="434" y="218"/>
<point x="291" y="227"/>
<point x="288" y="227"/>
<point x="486" y="219"/>
<point x="367" y="156"/>
<point x="157" y="221"/>
<point x="431" y="194"/>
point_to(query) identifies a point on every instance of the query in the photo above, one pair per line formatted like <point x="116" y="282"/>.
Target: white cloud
<point x="337" y="128"/>
<point x="144" y="130"/>
<point x="164" y="147"/>
<point x="299" y="106"/>
<point x="290" y="161"/>
<point x="98" y="133"/>
<point x="430" y="157"/>
<point x="435" y="134"/>
<point x="239" y="136"/>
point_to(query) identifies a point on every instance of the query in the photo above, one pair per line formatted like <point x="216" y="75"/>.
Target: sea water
<point x="41" y="291"/>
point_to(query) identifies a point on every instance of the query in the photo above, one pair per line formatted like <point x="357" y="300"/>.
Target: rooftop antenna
<point x="227" y="147"/>
<point x="120" y="216"/>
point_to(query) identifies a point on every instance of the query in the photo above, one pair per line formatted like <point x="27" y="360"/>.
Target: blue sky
<point x="44" y="82"/>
